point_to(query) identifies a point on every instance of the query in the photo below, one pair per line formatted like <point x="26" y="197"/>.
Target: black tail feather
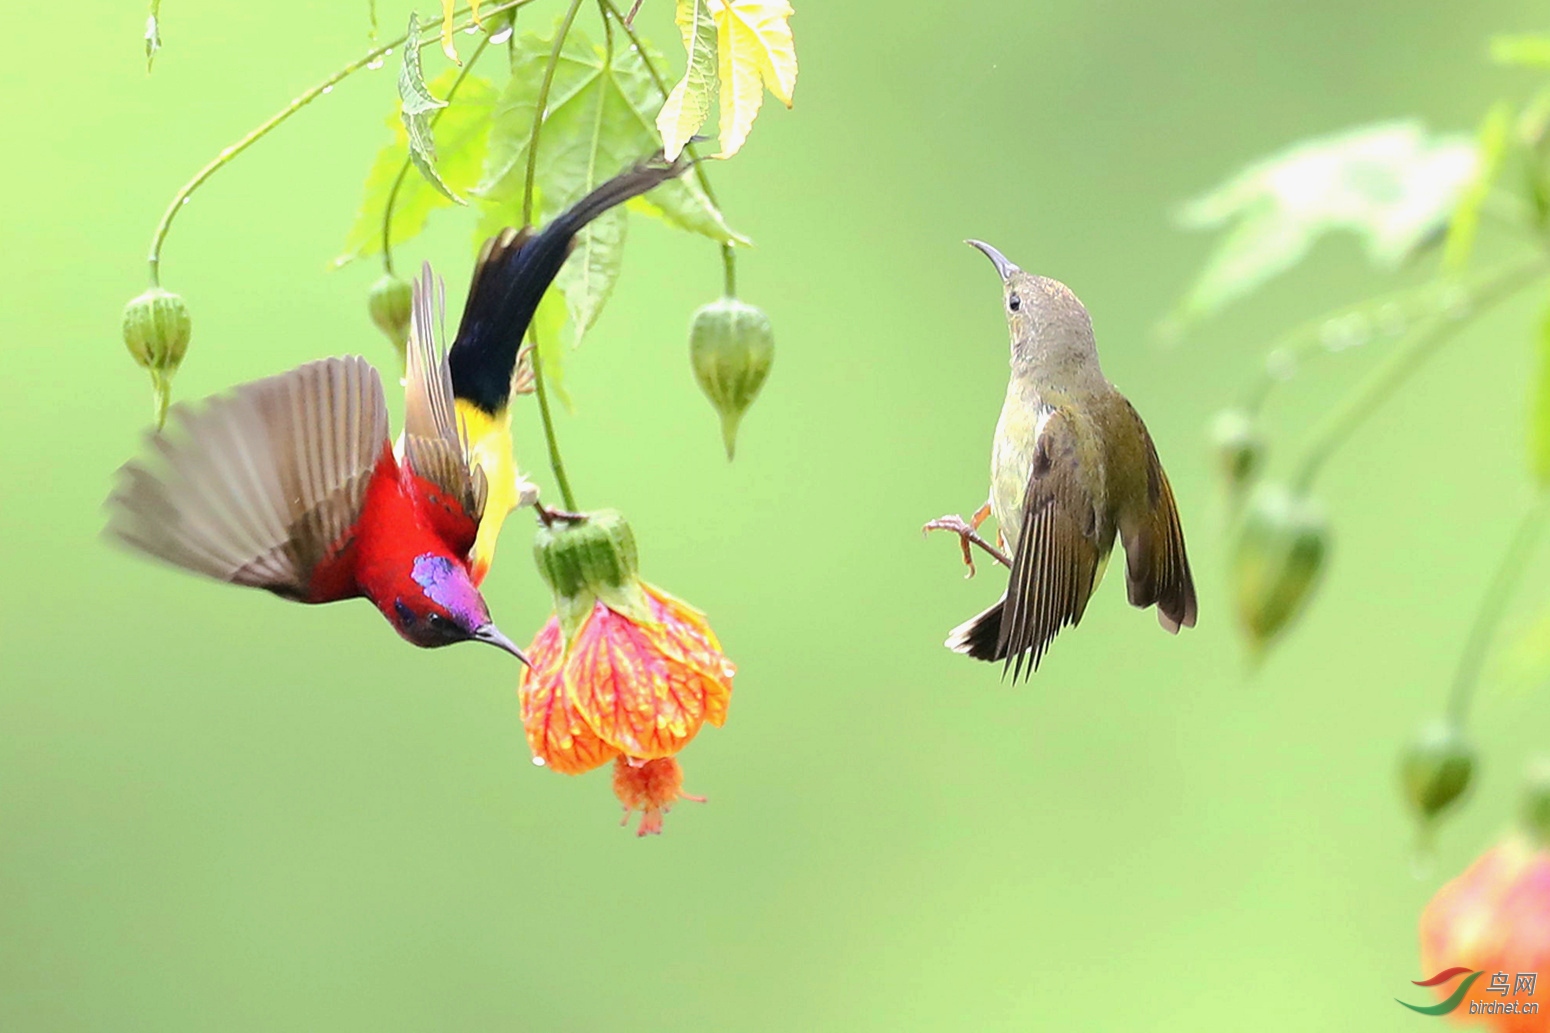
<point x="514" y="270"/>
<point x="980" y="636"/>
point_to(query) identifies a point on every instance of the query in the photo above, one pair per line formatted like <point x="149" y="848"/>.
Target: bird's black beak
<point x="491" y="634"/>
<point x="1005" y="268"/>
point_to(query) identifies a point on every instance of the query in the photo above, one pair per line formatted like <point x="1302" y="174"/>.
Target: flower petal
<point x="558" y="735"/>
<point x="689" y="638"/>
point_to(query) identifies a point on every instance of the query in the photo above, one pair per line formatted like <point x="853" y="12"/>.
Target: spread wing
<point x="449" y="484"/>
<point x="1156" y="566"/>
<point x="1056" y="556"/>
<point x="263" y="486"/>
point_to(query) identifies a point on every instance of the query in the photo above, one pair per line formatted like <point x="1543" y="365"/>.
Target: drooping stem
<point x="1503" y="582"/>
<point x="728" y="255"/>
<point x="181" y="198"/>
<point x="556" y="463"/>
<point x="540" y="112"/>
<point x="403" y="171"/>
<point x="1401" y="363"/>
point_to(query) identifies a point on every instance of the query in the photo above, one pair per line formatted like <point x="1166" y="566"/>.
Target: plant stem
<point x="1399" y="364"/>
<point x="1508" y="572"/>
<point x="540" y="112"/>
<point x="221" y="160"/>
<point x="728" y="256"/>
<point x="556" y="463"/>
<point x="403" y="172"/>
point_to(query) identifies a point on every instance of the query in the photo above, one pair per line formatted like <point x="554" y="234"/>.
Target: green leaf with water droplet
<point x="1539" y="416"/>
<point x="461" y="132"/>
<point x="1495" y="132"/>
<point x="1392" y="184"/>
<point x="417" y="104"/>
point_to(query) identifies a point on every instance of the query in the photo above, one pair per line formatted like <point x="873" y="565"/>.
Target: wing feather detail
<point x="260" y="486"/>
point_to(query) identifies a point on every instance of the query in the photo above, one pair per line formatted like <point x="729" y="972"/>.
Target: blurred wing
<point x="435" y="446"/>
<point x="1156" y="567"/>
<point x="263" y="486"/>
<point x="1057" y="550"/>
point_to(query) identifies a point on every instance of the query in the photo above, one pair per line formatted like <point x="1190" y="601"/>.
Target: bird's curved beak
<point x="1003" y="267"/>
<point x="491" y="634"/>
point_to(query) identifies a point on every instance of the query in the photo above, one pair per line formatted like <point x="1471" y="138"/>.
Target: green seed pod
<point x="389" y="303"/>
<point x="1436" y="768"/>
<point x="1280" y="551"/>
<point x="1536" y="800"/>
<point x="590" y="559"/>
<point x="1238" y="446"/>
<point x="156" y="330"/>
<point x="730" y="348"/>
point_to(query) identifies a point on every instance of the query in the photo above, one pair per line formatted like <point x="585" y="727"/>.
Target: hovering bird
<point x="292" y="484"/>
<point x="1072" y="466"/>
<point x="514" y="270"/>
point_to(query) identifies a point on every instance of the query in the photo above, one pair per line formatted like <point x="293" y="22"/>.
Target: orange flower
<point x="622" y="671"/>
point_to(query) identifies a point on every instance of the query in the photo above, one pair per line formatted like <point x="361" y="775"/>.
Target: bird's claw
<point x="967" y="536"/>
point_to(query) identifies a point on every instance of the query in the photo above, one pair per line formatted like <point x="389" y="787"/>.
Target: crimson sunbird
<point x="292" y="484"/>
<point x="1072" y="466"/>
<point x="514" y="270"/>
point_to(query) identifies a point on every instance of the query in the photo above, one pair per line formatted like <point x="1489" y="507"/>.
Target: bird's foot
<point x="967" y="536"/>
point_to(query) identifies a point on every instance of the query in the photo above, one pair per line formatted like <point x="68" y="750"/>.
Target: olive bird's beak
<point x="491" y="634"/>
<point x="1003" y="267"/>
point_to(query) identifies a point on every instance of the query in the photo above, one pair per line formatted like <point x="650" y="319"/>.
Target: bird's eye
<point x="439" y="622"/>
<point x="1014" y="303"/>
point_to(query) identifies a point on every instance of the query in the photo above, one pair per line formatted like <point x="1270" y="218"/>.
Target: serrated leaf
<point x="755" y="51"/>
<point x="1539" y="416"/>
<point x="462" y="133"/>
<point x="688" y="104"/>
<point x="1526" y="51"/>
<point x="599" y="121"/>
<point x="1392" y="184"/>
<point x="417" y="105"/>
<point x="1494" y="134"/>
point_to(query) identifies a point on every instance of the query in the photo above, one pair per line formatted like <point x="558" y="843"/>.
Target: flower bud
<point x="389" y="303"/>
<point x="730" y="348"/>
<point x="156" y="329"/>
<point x="590" y="559"/>
<point x="1280" y="550"/>
<point x="1239" y="447"/>
<point x="1436" y="768"/>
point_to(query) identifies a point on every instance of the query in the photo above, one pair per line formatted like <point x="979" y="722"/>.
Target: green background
<point x="218" y="811"/>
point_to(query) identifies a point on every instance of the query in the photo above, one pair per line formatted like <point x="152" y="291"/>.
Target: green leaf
<point x="152" y="33"/>
<point x="417" y="104"/>
<point x="1526" y="51"/>
<point x="688" y="104"/>
<point x="1495" y="131"/>
<point x="1392" y="184"/>
<point x="1539" y="418"/>
<point x="461" y="132"/>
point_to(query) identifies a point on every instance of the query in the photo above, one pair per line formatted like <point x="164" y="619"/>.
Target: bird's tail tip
<point x="979" y="635"/>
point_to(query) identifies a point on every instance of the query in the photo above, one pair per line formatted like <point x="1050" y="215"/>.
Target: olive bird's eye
<point x="1014" y="303"/>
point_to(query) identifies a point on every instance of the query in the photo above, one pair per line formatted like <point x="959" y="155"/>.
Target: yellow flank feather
<point x="489" y="444"/>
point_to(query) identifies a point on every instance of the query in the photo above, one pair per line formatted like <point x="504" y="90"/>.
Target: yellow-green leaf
<point x="1528" y="51"/>
<point x="688" y="105"/>
<point x="416" y="106"/>
<point x="461" y="135"/>
<point x="755" y="51"/>
<point x="1494" y="133"/>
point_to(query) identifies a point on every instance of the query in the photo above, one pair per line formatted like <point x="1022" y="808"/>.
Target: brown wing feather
<point x="1156" y="565"/>
<point x="435" y="447"/>
<point x="258" y="486"/>
<point x="1056" y="557"/>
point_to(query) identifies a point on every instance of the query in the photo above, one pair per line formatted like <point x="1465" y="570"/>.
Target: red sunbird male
<point x="1072" y="466"/>
<point x="291" y="484"/>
